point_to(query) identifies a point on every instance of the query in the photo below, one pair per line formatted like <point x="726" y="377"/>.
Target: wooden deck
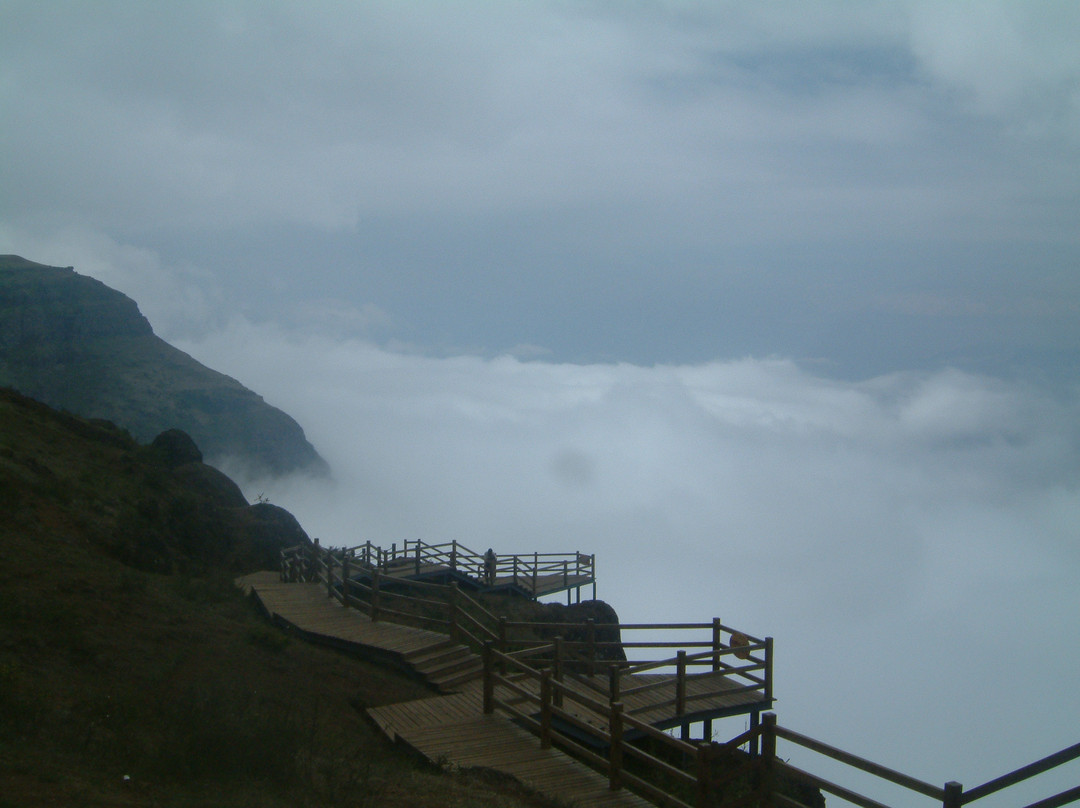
<point x="537" y="586"/>
<point x="704" y="702"/>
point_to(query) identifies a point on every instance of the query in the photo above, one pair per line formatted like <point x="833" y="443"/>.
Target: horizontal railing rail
<point x="951" y="795"/>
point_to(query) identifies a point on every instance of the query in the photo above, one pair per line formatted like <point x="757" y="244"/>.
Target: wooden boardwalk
<point x="306" y="608"/>
<point x="448" y="729"/>
<point x="454" y="730"/>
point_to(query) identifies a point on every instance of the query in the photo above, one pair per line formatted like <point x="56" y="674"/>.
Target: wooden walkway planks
<point x="493" y="742"/>
<point x="453" y="728"/>
<point x="308" y="608"/>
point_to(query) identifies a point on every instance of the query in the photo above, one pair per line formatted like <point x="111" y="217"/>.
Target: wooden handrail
<point x="857" y="762"/>
<point x="952" y="795"/>
<point x="1023" y="773"/>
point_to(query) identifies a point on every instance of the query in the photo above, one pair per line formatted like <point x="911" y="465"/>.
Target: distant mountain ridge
<point x="74" y="343"/>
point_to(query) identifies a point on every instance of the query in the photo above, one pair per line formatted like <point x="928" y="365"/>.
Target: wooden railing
<point x="528" y="572"/>
<point x="951" y="795"/>
<point x="689" y="649"/>
<point x="660" y="767"/>
<point x="578" y="650"/>
<point x="519" y="685"/>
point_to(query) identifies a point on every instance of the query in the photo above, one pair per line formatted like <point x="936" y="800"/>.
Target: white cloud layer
<point x="910" y="541"/>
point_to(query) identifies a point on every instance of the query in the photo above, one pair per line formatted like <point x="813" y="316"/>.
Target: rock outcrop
<point x="156" y="507"/>
<point x="72" y="342"/>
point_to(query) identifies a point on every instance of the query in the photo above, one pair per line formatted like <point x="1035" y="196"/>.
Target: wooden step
<point x="462" y="677"/>
<point x="428" y="653"/>
<point x="451" y="665"/>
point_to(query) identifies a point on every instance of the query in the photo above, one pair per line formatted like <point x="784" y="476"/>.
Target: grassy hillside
<point x="154" y="682"/>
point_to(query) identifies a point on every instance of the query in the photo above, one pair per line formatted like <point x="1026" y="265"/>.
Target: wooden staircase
<point x="446" y="666"/>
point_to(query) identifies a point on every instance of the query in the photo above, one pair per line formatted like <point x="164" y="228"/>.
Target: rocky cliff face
<point x="74" y="343"/>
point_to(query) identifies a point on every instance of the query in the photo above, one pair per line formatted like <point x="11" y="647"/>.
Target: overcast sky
<point x="791" y="288"/>
<point x="864" y="186"/>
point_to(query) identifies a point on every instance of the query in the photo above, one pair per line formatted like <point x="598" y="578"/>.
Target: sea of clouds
<point x="910" y="541"/>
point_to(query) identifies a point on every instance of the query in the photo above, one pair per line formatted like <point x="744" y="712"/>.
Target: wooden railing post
<point x="313" y="563"/>
<point x="557" y="668"/>
<point x="453" y="555"/>
<point x="515" y="570"/>
<point x="704" y="773"/>
<point x="716" y="626"/>
<point x="329" y="573"/>
<point x="680" y="683"/>
<point x="536" y="567"/>
<point x="375" y="596"/>
<point x="954" y="793"/>
<point x="768" y="757"/>
<point x="502" y="643"/>
<point x="768" y="668"/>
<point x="545" y="709"/>
<point x="417" y="566"/>
<point x="614" y="683"/>
<point x="489" y="679"/>
<point x="680" y="693"/>
<point x="590" y="627"/>
<point x="452" y="617"/>
<point x="616" y="756"/>
<point x="345" y="580"/>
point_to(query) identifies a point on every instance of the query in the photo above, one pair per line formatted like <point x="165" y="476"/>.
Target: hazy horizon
<point x="791" y="289"/>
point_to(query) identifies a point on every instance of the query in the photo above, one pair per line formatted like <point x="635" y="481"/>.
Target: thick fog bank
<point x="910" y="541"/>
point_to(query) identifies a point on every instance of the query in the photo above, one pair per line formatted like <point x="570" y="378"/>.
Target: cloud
<point x="774" y="120"/>
<point x="1007" y="58"/>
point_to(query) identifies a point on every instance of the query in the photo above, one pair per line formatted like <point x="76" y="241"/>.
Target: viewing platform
<point x="532" y="575"/>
